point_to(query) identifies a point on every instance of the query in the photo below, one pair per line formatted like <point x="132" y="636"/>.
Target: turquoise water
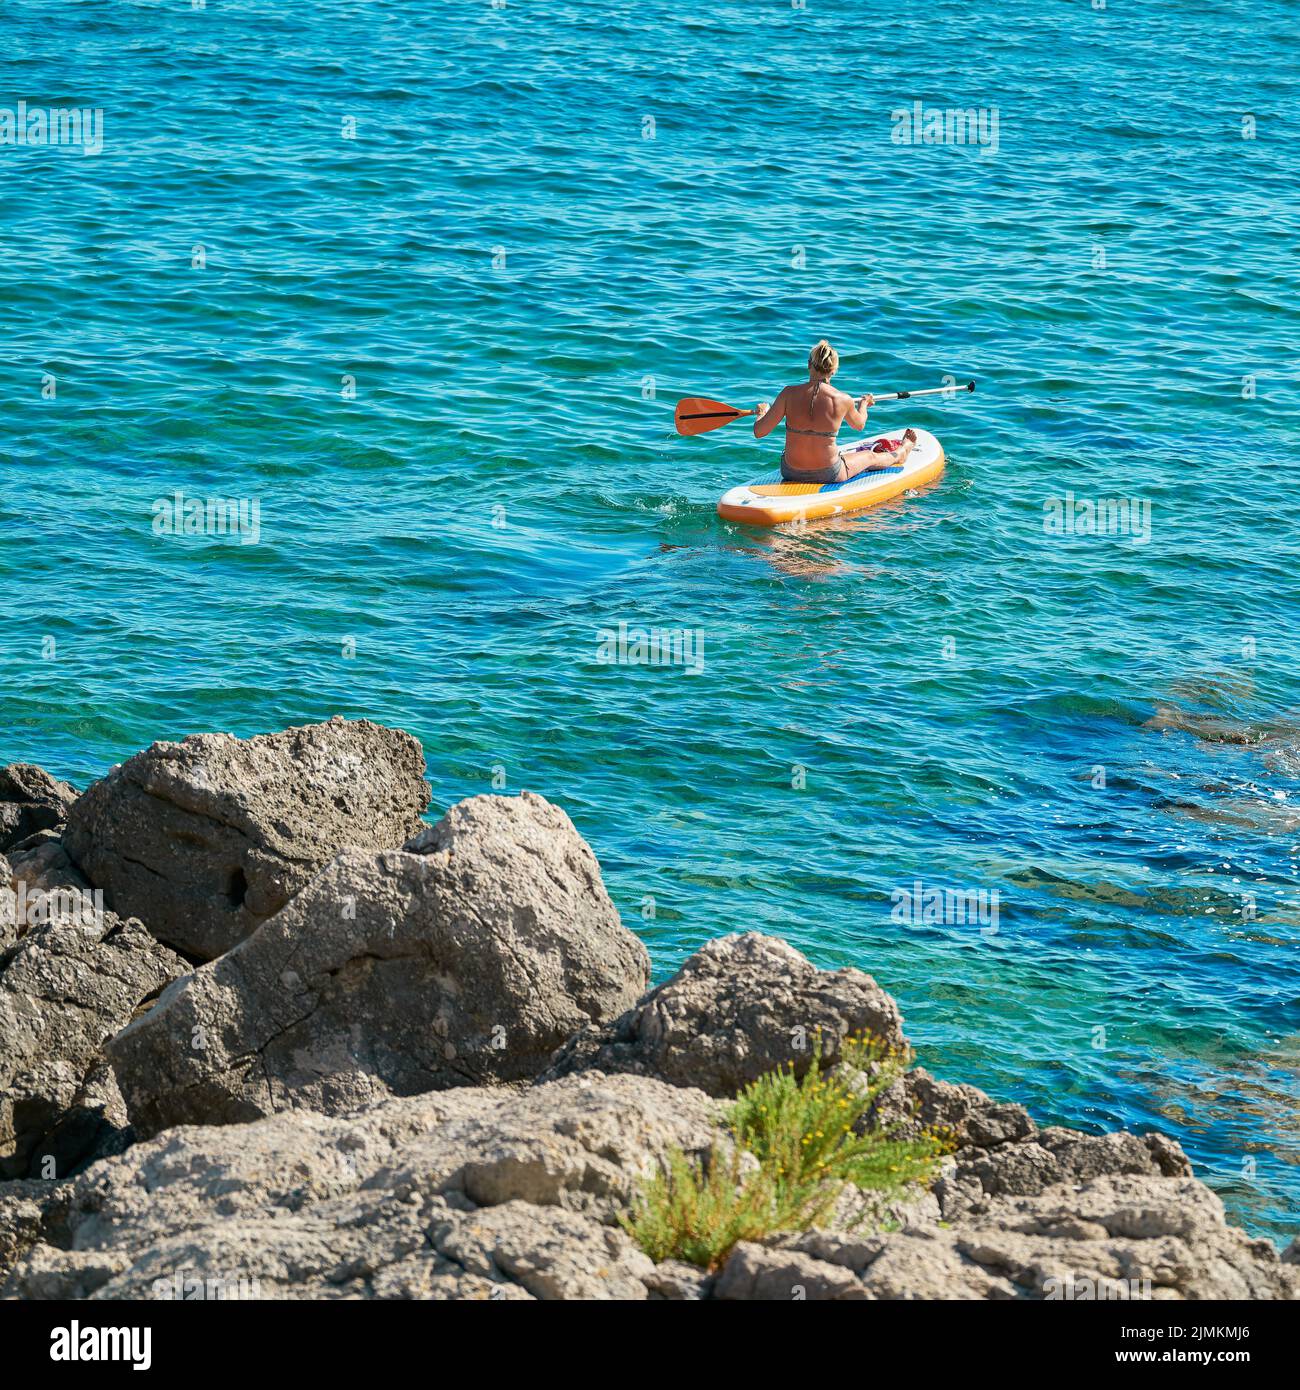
<point x="1102" y="730"/>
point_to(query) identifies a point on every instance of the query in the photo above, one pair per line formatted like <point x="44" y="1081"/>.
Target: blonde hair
<point x="823" y="359"/>
<point x="825" y="362"/>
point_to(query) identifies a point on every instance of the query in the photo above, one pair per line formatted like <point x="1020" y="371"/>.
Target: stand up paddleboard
<point x="770" y="501"/>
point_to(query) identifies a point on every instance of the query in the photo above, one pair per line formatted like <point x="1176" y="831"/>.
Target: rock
<point x="858" y="1209"/>
<point x="551" y="1254"/>
<point x="41" y="863"/>
<point x="70" y="979"/>
<point x="1115" y="1237"/>
<point x="8" y="906"/>
<point x="740" y="1006"/>
<point x="464" y="961"/>
<point x="920" y="1101"/>
<point x="755" y="1272"/>
<point x="30" y="800"/>
<point x="1080" y="1156"/>
<point x="498" y="1193"/>
<point x="1050" y="1157"/>
<point x="672" y="1280"/>
<point x="929" y="1265"/>
<point x="580" y="1143"/>
<point x="1124" y="1237"/>
<point x="38" y="882"/>
<point x="461" y="1194"/>
<point x="205" y="839"/>
<point x="27" y="1216"/>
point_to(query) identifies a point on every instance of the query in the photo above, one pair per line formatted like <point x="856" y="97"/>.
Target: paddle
<point x="695" y="415"/>
<point x="698" y="415"/>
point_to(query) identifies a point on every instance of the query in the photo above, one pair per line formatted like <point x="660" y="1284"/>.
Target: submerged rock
<point x="739" y="1007"/>
<point x="464" y="960"/>
<point x="205" y="839"/>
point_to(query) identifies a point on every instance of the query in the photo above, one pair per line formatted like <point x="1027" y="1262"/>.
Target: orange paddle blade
<point x="695" y="415"/>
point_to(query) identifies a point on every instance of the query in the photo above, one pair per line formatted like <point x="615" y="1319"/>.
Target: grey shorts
<point x="833" y="473"/>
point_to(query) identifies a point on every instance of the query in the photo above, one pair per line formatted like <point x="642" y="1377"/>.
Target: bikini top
<point x="820" y="434"/>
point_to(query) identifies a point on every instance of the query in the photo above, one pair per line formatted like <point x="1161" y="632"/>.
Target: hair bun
<point x="823" y="359"/>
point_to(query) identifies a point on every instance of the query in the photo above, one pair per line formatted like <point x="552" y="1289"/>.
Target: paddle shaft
<point x="698" y="414"/>
<point x="891" y="396"/>
<point x="929" y="391"/>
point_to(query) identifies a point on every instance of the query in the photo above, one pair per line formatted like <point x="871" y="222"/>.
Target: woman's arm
<point x="770" y="416"/>
<point x="856" y="415"/>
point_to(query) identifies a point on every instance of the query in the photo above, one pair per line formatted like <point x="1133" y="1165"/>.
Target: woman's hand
<point x="762" y="408"/>
<point x="866" y="402"/>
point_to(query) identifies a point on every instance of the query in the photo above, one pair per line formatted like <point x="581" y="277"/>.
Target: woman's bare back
<point x="813" y="416"/>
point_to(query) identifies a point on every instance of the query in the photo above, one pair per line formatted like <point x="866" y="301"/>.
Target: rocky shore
<point x="263" y="1030"/>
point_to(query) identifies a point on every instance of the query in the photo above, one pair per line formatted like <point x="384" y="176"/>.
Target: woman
<point x="813" y="412"/>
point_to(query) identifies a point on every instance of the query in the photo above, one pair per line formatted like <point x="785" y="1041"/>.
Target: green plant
<point x="807" y="1141"/>
<point x="805" y="1129"/>
<point x="693" y="1212"/>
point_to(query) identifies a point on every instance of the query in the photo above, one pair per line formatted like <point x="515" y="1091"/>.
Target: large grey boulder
<point x="70" y="977"/>
<point x="205" y="839"/>
<point x="30" y="801"/>
<point x="467" y="1194"/>
<point x="464" y="960"/>
<point x="740" y="1006"/>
